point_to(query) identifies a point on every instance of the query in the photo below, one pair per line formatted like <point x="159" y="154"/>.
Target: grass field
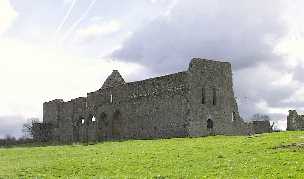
<point x="276" y="155"/>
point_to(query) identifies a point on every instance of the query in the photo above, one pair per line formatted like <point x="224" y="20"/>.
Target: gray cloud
<point x="242" y="32"/>
<point x="11" y="125"/>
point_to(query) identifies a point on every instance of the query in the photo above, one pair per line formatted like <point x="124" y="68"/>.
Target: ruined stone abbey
<point x="197" y="102"/>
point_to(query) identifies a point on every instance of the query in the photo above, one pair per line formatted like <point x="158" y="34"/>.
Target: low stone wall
<point x="259" y="127"/>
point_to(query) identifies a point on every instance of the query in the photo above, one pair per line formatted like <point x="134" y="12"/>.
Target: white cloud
<point x="77" y="23"/>
<point x="64" y="20"/>
<point x="264" y="106"/>
<point x="7" y="15"/>
<point x="32" y="74"/>
<point x="67" y="2"/>
<point x="99" y="29"/>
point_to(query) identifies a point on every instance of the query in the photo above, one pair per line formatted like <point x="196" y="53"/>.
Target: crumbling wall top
<point x="293" y="112"/>
<point x="198" y="64"/>
<point x="54" y="101"/>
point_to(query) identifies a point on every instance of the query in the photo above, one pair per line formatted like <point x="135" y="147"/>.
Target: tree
<point x="27" y="127"/>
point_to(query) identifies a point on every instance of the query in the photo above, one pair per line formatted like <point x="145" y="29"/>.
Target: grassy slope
<point x="264" y="156"/>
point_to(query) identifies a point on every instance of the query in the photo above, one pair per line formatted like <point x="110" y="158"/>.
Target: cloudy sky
<point x="65" y="48"/>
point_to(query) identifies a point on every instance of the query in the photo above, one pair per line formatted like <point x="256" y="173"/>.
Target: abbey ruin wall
<point x="153" y="108"/>
<point x="197" y="102"/>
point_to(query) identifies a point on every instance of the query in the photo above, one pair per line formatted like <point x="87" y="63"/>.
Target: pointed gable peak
<point x="115" y="79"/>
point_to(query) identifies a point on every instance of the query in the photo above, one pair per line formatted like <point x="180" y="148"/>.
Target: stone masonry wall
<point x="295" y="121"/>
<point x="212" y="98"/>
<point x="259" y="127"/>
<point x="196" y="102"/>
<point x="153" y="108"/>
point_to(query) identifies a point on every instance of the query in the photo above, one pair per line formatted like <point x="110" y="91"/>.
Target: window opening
<point x="203" y="95"/>
<point x="214" y="96"/>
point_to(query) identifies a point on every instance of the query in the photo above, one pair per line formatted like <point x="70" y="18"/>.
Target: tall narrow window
<point x="214" y="96"/>
<point x="203" y="96"/>
<point x="233" y="117"/>
<point x="111" y="98"/>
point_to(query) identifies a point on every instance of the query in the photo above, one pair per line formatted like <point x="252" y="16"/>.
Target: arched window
<point x="209" y="124"/>
<point x="91" y="118"/>
<point x="102" y="120"/>
<point x="80" y="121"/>
<point x="233" y="116"/>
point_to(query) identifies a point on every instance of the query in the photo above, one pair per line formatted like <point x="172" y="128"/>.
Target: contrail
<point x="83" y="16"/>
<point x="65" y="17"/>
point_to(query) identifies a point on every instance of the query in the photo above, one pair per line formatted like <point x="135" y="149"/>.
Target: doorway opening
<point x="210" y="127"/>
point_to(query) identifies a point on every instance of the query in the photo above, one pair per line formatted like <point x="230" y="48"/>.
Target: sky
<point x="52" y="49"/>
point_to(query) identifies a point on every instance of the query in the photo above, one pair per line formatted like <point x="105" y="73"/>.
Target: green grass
<point x="276" y="155"/>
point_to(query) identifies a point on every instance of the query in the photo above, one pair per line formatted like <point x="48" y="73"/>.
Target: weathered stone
<point x="113" y="80"/>
<point x="259" y="127"/>
<point x="295" y="121"/>
<point x="174" y="105"/>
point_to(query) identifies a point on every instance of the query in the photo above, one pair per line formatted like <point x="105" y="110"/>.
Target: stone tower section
<point x="52" y="112"/>
<point x="64" y="119"/>
<point x="295" y="121"/>
<point x="211" y="99"/>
